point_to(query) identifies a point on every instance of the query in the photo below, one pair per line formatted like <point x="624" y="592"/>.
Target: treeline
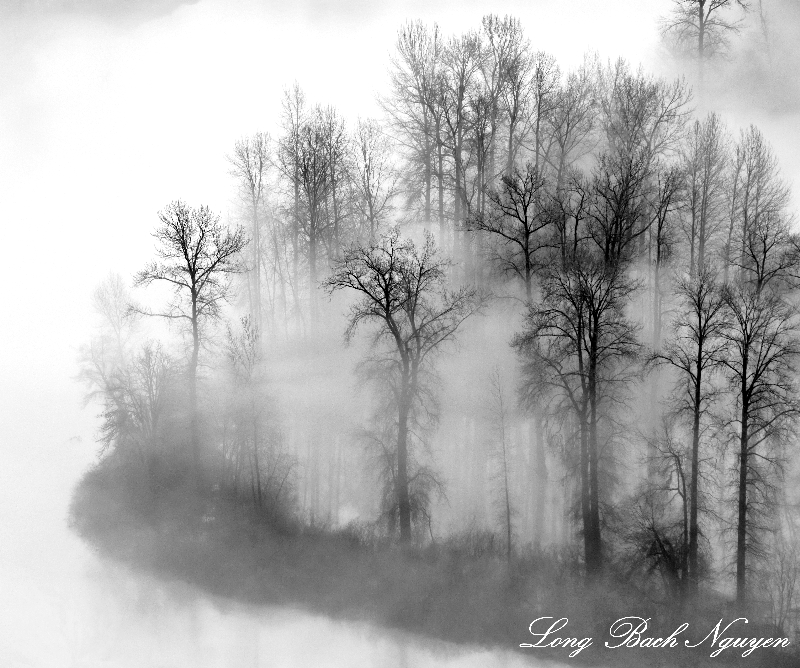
<point x="652" y="269"/>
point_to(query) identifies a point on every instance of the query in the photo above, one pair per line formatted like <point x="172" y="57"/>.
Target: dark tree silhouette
<point x="696" y="350"/>
<point x="250" y="163"/>
<point x="517" y="223"/>
<point x="402" y="292"/>
<point x="573" y="344"/>
<point x="196" y="256"/>
<point x="375" y="177"/>
<point x="761" y="363"/>
<point x="702" y="25"/>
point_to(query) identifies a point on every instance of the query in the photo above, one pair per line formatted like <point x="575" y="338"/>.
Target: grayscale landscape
<point x="400" y="334"/>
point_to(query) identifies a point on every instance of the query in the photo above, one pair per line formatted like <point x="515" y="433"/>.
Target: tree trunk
<point x="594" y="555"/>
<point x="741" y="529"/>
<point x="256" y="306"/>
<point x="540" y="478"/>
<point x="427" y="173"/>
<point x="506" y="485"/>
<point x="259" y="498"/>
<point x="510" y="156"/>
<point x="296" y="245"/>
<point x="459" y="241"/>
<point x="403" y="499"/>
<point x="657" y="298"/>
<point x="312" y="275"/>
<point x="701" y="46"/>
<point x="440" y="184"/>
<point x="194" y="417"/>
<point x="693" y="485"/>
<point x="732" y="220"/>
<point x="701" y="236"/>
<point x="586" y="511"/>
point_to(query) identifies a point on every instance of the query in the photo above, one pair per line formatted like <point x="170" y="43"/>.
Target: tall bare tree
<point x="544" y="91"/>
<point x="461" y="65"/>
<point x="245" y="358"/>
<point x="703" y="26"/>
<point x="294" y="117"/>
<point x="515" y="100"/>
<point x="403" y="294"/>
<point x="315" y="186"/>
<point x="706" y="159"/>
<point x="518" y="225"/>
<point x="250" y="162"/>
<point x="338" y="206"/>
<point x="376" y="178"/>
<point x="695" y="350"/>
<point x="574" y="348"/>
<point x="414" y="110"/>
<point x="196" y="257"/>
<point x="573" y="120"/>
<point x="760" y="226"/>
<point x="661" y="205"/>
<point x="761" y="363"/>
<point x="642" y="117"/>
<point x="502" y="453"/>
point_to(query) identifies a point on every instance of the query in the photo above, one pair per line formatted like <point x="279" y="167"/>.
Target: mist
<point x="109" y="112"/>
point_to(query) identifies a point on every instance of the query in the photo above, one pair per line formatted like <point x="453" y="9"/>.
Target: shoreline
<point x="437" y="592"/>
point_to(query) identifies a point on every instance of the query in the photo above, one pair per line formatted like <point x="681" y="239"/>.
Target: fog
<point x="108" y="112"/>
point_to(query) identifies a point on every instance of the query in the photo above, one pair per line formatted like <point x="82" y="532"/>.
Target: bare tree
<point x="461" y="65"/>
<point x="501" y="452"/>
<point x="498" y="45"/>
<point x="545" y="80"/>
<point x="145" y="387"/>
<point x="574" y="346"/>
<point x="111" y="301"/>
<point x="617" y="217"/>
<point x="415" y="113"/>
<point x="732" y="205"/>
<point x="107" y="358"/>
<point x="761" y="363"/>
<point x="338" y="208"/>
<point x="402" y="292"/>
<point x="293" y="119"/>
<point x="314" y="179"/>
<point x="642" y="120"/>
<point x="135" y="391"/>
<point x="516" y="66"/>
<point x="761" y="228"/>
<point x="702" y="25"/>
<point x="518" y="223"/>
<point x="250" y="162"/>
<point x="695" y="350"/>
<point x="642" y="117"/>
<point x="196" y="257"/>
<point x="246" y="365"/>
<point x="660" y="220"/>
<point x="376" y="177"/>
<point x="706" y="159"/>
<point x="660" y="518"/>
<point x="574" y="120"/>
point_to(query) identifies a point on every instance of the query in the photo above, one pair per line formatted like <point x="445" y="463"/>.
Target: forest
<point x="543" y="319"/>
